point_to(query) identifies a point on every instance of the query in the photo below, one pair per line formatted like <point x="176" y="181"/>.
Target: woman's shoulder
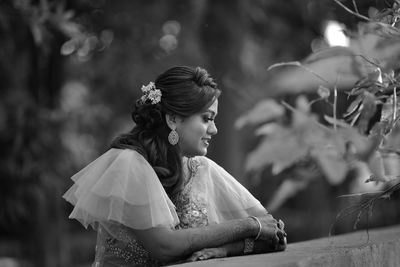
<point x="130" y="159"/>
<point x="206" y="162"/>
<point x="120" y="186"/>
<point x="115" y="161"/>
<point x="203" y="160"/>
<point x="125" y="154"/>
<point x="210" y="168"/>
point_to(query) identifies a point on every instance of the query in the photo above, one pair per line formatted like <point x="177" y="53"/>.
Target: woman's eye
<point x="207" y="119"/>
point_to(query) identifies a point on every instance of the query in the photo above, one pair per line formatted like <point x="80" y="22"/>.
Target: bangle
<point x="259" y="226"/>
<point x="248" y="246"/>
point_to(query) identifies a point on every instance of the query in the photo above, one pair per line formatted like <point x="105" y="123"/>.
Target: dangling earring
<point x="173" y="137"/>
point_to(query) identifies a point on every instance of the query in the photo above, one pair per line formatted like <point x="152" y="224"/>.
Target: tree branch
<point x="351" y="11"/>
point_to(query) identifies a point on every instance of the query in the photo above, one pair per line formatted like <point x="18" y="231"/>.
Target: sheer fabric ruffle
<point x="226" y="198"/>
<point x="120" y="187"/>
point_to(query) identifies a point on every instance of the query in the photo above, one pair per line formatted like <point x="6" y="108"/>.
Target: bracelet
<point x="248" y="246"/>
<point x="259" y="226"/>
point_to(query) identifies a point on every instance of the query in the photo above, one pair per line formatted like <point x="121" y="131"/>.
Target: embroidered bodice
<point x="190" y="206"/>
<point x="124" y="249"/>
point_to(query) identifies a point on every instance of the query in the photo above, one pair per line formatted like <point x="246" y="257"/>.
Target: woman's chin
<point x="201" y="152"/>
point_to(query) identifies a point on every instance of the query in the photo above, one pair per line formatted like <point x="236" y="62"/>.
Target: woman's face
<point x="195" y="132"/>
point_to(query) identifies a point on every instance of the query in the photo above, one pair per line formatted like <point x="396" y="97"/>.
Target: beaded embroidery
<point x="191" y="209"/>
<point x="123" y="249"/>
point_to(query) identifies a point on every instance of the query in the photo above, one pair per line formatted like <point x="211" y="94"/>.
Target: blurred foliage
<point x="360" y="143"/>
<point x="30" y="125"/>
<point x="33" y="159"/>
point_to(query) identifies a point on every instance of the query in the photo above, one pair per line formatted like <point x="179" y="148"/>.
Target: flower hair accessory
<point x="151" y="93"/>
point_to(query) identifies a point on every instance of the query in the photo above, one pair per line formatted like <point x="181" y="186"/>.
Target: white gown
<point x="120" y="191"/>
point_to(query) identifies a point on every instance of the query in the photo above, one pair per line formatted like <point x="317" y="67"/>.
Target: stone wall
<point x="377" y="247"/>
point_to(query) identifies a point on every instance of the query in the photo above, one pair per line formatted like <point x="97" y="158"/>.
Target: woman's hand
<point x="272" y="238"/>
<point x="282" y="236"/>
<point x="208" y="253"/>
<point x="273" y="231"/>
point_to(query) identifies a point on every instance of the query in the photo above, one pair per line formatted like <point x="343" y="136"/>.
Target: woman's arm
<point x="237" y="249"/>
<point x="169" y="245"/>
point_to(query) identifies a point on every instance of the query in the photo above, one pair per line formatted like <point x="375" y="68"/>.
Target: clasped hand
<point x="273" y="232"/>
<point x="272" y="238"/>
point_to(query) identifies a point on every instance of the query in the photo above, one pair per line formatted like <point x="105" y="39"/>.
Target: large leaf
<point x="332" y="165"/>
<point x="282" y="147"/>
<point x="340" y="67"/>
<point x="270" y="129"/>
<point x="340" y="70"/>
<point x="265" y="110"/>
<point x="345" y="136"/>
<point x="286" y="190"/>
<point x="281" y="151"/>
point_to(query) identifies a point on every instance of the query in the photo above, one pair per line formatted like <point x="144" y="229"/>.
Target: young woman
<point x="154" y="198"/>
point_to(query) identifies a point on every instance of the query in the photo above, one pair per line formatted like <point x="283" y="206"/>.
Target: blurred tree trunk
<point x="222" y="32"/>
<point x="32" y="64"/>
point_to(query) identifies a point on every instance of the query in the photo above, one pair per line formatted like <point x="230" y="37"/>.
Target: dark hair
<point x="185" y="92"/>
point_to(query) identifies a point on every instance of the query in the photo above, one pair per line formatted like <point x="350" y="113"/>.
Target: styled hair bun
<point x="202" y="78"/>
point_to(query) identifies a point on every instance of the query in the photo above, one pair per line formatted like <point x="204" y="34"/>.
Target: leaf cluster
<point x="369" y="132"/>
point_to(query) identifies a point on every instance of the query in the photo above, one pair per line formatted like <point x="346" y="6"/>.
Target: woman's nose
<point x="212" y="129"/>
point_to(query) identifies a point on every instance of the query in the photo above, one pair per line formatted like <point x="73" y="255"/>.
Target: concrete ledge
<point x="378" y="247"/>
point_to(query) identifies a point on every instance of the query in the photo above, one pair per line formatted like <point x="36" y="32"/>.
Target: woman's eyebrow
<point x="212" y="112"/>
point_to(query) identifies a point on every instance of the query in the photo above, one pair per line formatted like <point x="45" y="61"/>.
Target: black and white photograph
<point x="199" y="133"/>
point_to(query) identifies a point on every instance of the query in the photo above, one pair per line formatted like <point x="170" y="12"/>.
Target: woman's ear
<point x="171" y="121"/>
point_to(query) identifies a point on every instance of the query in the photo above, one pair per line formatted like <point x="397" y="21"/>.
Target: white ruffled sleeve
<point x="120" y="187"/>
<point x="227" y="198"/>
